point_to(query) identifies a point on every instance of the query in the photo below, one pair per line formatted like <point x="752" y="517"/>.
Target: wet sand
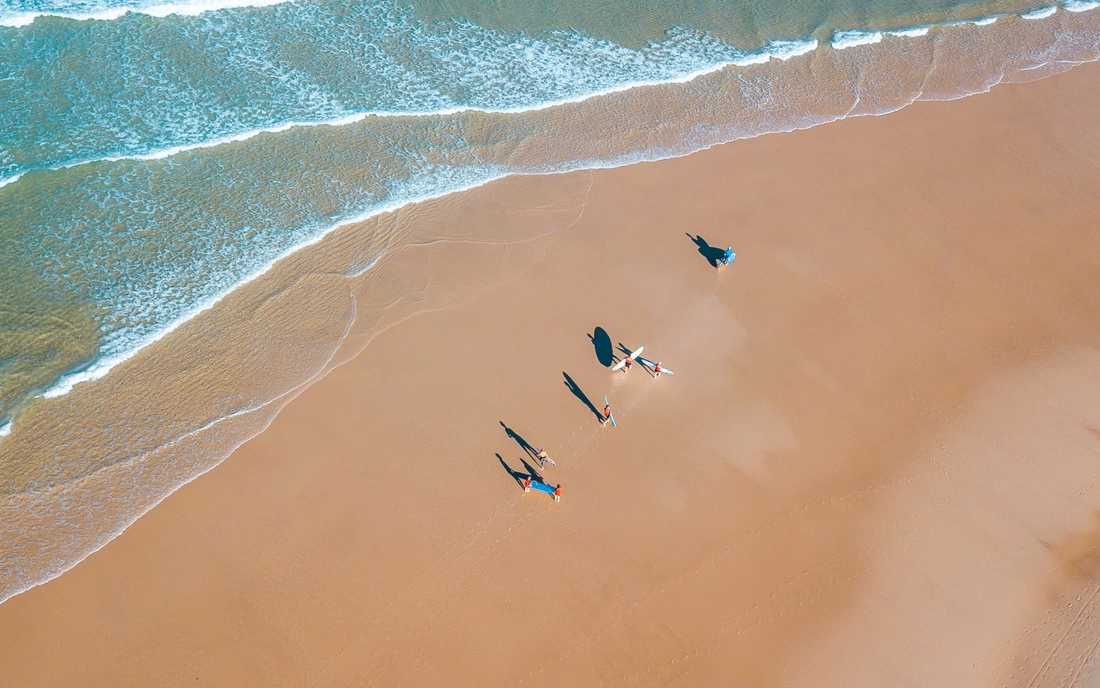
<point x="876" y="464"/>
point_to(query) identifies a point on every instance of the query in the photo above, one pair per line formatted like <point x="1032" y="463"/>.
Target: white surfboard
<point x="630" y="357"/>
<point x="651" y="364"/>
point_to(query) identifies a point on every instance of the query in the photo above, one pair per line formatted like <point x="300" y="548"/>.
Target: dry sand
<point x="877" y="463"/>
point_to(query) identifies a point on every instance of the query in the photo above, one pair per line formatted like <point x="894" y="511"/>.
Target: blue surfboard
<point x="652" y="365"/>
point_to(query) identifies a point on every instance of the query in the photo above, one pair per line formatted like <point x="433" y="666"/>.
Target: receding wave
<point x="1041" y="13"/>
<point x="843" y="40"/>
<point x="519" y="74"/>
<point x="311" y="64"/>
<point x="388" y="64"/>
<point x="776" y="50"/>
<point x="99" y="12"/>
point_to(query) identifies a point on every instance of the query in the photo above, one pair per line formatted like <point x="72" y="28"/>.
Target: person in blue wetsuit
<point x="729" y="255"/>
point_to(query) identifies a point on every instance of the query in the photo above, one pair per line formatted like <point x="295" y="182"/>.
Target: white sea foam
<point x="849" y="39"/>
<point x="781" y="50"/>
<point x="1080" y="5"/>
<point x="774" y="50"/>
<point x="17" y="19"/>
<point x="8" y="180"/>
<point x="185" y="9"/>
<point x="162" y="153"/>
<point x="915" y="32"/>
<point x="5" y="429"/>
<point x="188" y="9"/>
<point x="1041" y="13"/>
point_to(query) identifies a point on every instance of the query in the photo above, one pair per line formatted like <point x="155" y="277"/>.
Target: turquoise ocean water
<point x="155" y="155"/>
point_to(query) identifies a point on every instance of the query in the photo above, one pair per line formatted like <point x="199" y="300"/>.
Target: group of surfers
<point x="542" y="456"/>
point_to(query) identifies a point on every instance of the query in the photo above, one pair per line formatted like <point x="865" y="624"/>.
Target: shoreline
<point x="60" y="500"/>
<point x="843" y="40"/>
<point x="544" y="211"/>
<point x="875" y="451"/>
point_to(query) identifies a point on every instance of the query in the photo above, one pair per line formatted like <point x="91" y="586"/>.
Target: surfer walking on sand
<point x="657" y="370"/>
<point x="544" y="459"/>
<point x="527" y="484"/>
<point x="606" y="413"/>
<point x="557" y="493"/>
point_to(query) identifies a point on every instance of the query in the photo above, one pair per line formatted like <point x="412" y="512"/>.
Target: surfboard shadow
<point x="519" y="440"/>
<point x="713" y="254"/>
<point x="601" y="341"/>
<point x="582" y="396"/>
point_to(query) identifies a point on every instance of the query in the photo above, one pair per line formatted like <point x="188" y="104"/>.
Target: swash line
<point x="782" y="50"/>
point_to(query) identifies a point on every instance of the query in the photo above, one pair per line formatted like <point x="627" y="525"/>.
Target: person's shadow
<point x="520" y="476"/>
<point x="516" y="475"/>
<point x="713" y="254"/>
<point x="582" y="396"/>
<point x="519" y="440"/>
<point x="602" y="343"/>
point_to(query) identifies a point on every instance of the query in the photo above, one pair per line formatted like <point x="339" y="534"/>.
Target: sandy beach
<point x="877" y="462"/>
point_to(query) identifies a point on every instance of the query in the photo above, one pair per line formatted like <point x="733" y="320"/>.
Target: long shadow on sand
<point x="516" y="475"/>
<point x="520" y="476"/>
<point x="713" y="254"/>
<point x="582" y="396"/>
<point x="524" y="444"/>
<point x="601" y="341"/>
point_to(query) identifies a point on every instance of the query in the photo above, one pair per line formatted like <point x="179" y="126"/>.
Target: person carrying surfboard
<point x="557" y="493"/>
<point x="658" y="369"/>
<point x="624" y="365"/>
<point x="544" y="459"/>
<point x="527" y="484"/>
<point x="607" y="414"/>
<point x="728" y="256"/>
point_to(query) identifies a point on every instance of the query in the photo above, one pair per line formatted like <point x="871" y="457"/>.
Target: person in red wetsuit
<point x="657" y="370"/>
<point x="557" y="493"/>
<point x="606" y="413"/>
<point x="527" y="484"/>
